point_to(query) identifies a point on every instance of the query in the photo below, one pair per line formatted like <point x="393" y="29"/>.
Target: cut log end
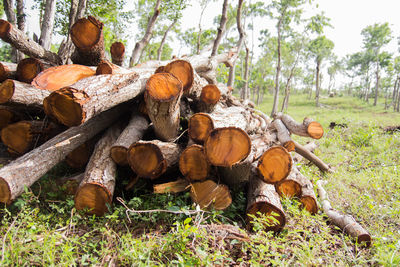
<point x="117" y="51"/>
<point x="275" y="164"/>
<point x="5" y="72"/>
<point x="315" y="130"/>
<point x="146" y="160"/>
<point x="5" y="28"/>
<point x="193" y="163"/>
<point x="210" y="94"/>
<point x="309" y="203"/>
<point x="209" y="194"/>
<point x="79" y="157"/>
<point x="290" y="146"/>
<point x="159" y="69"/>
<point x="6" y="116"/>
<point x="28" y="69"/>
<point x="17" y="137"/>
<point x="86" y="32"/>
<point x="275" y="218"/>
<point x="288" y="188"/>
<point x="5" y="192"/>
<point x="163" y="87"/>
<point x="200" y="126"/>
<point x="6" y="91"/>
<point x="183" y="70"/>
<point x="93" y="197"/>
<point x="227" y="146"/>
<point x="119" y="155"/>
<point x="104" y="67"/>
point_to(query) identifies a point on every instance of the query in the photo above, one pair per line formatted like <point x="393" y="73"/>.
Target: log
<point x="80" y="156"/>
<point x="200" y="126"/>
<point x="262" y="198"/>
<point x="29" y="68"/>
<point x="96" y="190"/>
<point x="283" y="135"/>
<point x="133" y="132"/>
<point x="182" y="70"/>
<point x="227" y="146"/>
<point x="150" y="159"/>
<point x="193" y="163"/>
<point x="87" y="36"/>
<point x="177" y="186"/>
<point x="18" y="39"/>
<point x="55" y="78"/>
<point x="117" y="51"/>
<point x="105" y="67"/>
<point x="309" y="127"/>
<point x="209" y="97"/>
<point x="162" y="96"/>
<point x="209" y="194"/>
<point x="308" y="198"/>
<point x="275" y="164"/>
<point x="312" y="157"/>
<point x="9" y="115"/>
<point x="23" y="136"/>
<point x="26" y="170"/>
<point x="88" y="97"/>
<point x="7" y="71"/>
<point x="22" y="93"/>
<point x="344" y="222"/>
<point x="311" y="146"/>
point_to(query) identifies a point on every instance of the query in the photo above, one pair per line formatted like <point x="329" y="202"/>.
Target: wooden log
<point x="133" y="132"/>
<point x="29" y="68"/>
<point x="308" y="198"/>
<point x="26" y="170"/>
<point x="227" y="146"/>
<point x="150" y="159"/>
<point x="209" y="194"/>
<point x="312" y="157"/>
<point x="262" y="198"/>
<point x="80" y="156"/>
<point x="182" y="70"/>
<point x="283" y="135"/>
<point x="275" y="164"/>
<point x="105" y="67"/>
<point x="177" y="186"/>
<point x="9" y="115"/>
<point x="162" y="96"/>
<point x="209" y="97"/>
<point x="21" y="93"/>
<point x="344" y="222"/>
<point x="18" y="39"/>
<point x="200" y="126"/>
<point x="87" y="36"/>
<point x="96" y="190"/>
<point x="55" y="78"/>
<point x="193" y="163"/>
<point x="117" y="51"/>
<point x="7" y="71"/>
<point x="23" y="136"/>
<point x="308" y="128"/>
<point x="88" y="97"/>
<point x="311" y="146"/>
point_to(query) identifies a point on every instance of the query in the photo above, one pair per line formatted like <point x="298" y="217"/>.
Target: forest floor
<point x="43" y="228"/>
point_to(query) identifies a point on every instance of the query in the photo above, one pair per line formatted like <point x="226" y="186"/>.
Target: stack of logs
<point x="163" y="119"/>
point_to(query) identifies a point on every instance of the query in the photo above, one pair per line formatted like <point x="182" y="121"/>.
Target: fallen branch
<point x="312" y="157"/>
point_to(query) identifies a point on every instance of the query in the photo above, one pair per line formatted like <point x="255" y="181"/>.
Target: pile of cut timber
<point x="160" y="118"/>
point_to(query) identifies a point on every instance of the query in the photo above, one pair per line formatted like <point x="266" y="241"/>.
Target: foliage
<point x="5" y="53"/>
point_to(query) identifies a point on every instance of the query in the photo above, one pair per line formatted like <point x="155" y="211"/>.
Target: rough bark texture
<point x="21" y="93"/>
<point x="47" y="24"/>
<point x="312" y="157"/>
<point x="283" y="135"/>
<point x="27" y="169"/>
<point x="133" y="132"/>
<point x="19" y="40"/>
<point x="221" y="28"/>
<point x="297" y="158"/>
<point x="345" y="222"/>
<point x="308" y="128"/>
<point x="208" y="193"/>
<point x="7" y="71"/>
<point x="97" y="187"/>
<point x="117" y="51"/>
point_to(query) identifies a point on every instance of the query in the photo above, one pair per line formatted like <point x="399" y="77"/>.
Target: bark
<point x="262" y="198"/>
<point x="297" y="158"/>
<point x="309" y="127"/>
<point x="209" y="194"/>
<point x="377" y="81"/>
<point x="193" y="163"/>
<point x="47" y="24"/>
<point x="19" y="40"/>
<point x="160" y="49"/>
<point x="200" y="30"/>
<point x="139" y="46"/>
<point x="177" y="186"/>
<point x="274" y="165"/>
<point x="344" y="222"/>
<point x="150" y="159"/>
<point x="283" y="135"/>
<point x="10" y="14"/>
<point x="162" y="96"/>
<point x="246" y="76"/>
<point x="58" y="77"/>
<point x="117" y="51"/>
<point x="317" y="83"/>
<point x="87" y="36"/>
<point x="312" y="157"/>
<point x="22" y="93"/>
<point x="26" y="170"/>
<point x="88" y="97"/>
<point x="308" y="198"/>
<point x="7" y="71"/>
<point x="132" y="133"/>
<point x="96" y="190"/>
<point x="29" y="68"/>
<point x="285" y="103"/>
<point x="221" y="28"/>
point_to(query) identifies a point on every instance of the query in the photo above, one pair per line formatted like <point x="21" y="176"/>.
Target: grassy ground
<point x="43" y="228"/>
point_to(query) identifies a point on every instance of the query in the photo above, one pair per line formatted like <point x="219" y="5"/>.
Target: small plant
<point x="362" y="137"/>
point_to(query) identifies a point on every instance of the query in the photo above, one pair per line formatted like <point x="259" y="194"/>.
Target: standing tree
<point x="335" y="68"/>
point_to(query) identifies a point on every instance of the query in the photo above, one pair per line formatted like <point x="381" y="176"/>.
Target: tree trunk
<point x="221" y="28"/>
<point x="160" y="49"/>
<point x="7" y="71"/>
<point x="26" y="170"/>
<point x="19" y="40"/>
<point x="312" y="157"/>
<point x="97" y="187"/>
<point x="246" y="76"/>
<point x="193" y="163"/>
<point x="47" y="25"/>
<point x="208" y="193"/>
<point x="377" y="82"/>
<point x="317" y="83"/>
<point x="200" y="30"/>
<point x="139" y="46"/>
<point x="21" y="93"/>
<point x="283" y="135"/>
<point x="133" y="132"/>
<point x="80" y="156"/>
<point x="309" y="127"/>
<point x="117" y="51"/>
<point x="10" y="14"/>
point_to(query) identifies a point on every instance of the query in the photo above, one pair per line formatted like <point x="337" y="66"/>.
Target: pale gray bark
<point x="221" y="28"/>
<point x="160" y="49"/>
<point x="48" y="22"/>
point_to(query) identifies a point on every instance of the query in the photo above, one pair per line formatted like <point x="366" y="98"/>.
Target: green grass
<point x="43" y="228"/>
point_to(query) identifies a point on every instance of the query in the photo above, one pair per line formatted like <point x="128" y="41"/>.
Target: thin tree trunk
<point x="20" y="23"/>
<point x="221" y="28"/>
<point x="200" y="30"/>
<point x="48" y="23"/>
<point x="139" y="46"/>
<point x="258" y="95"/>
<point x="377" y="82"/>
<point x="287" y="88"/>
<point x="317" y="84"/>
<point x="246" y="76"/>
<point x="10" y="14"/>
<point x="160" y="49"/>
<point x="278" y="70"/>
